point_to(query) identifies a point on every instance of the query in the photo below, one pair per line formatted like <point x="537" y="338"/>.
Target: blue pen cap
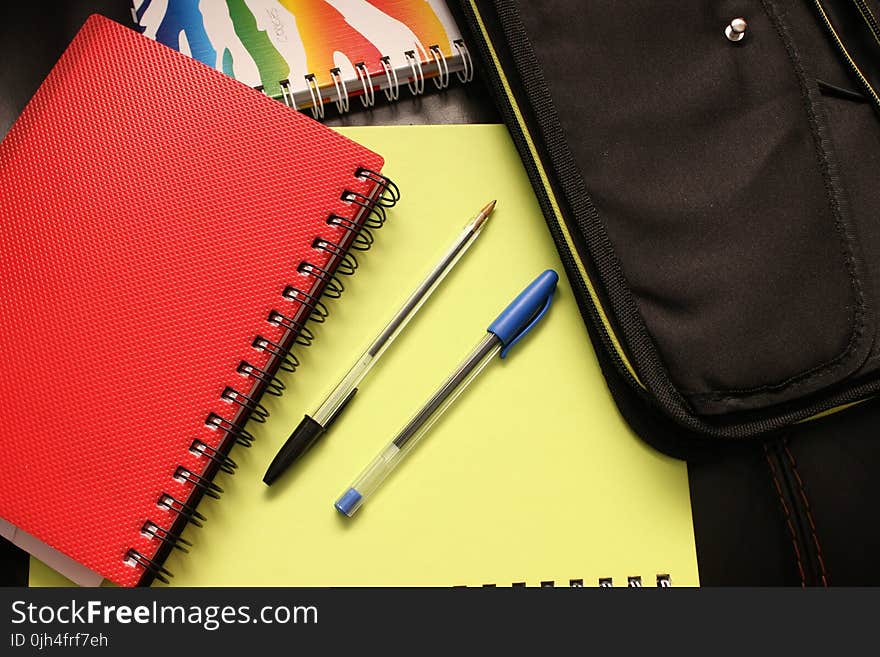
<point x="525" y="311"/>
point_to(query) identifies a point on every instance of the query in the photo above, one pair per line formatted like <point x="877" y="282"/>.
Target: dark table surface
<point x="737" y="531"/>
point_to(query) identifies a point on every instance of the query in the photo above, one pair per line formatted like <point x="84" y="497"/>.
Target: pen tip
<point x="482" y="216"/>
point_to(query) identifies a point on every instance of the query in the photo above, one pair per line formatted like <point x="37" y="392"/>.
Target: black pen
<point x="311" y="427"/>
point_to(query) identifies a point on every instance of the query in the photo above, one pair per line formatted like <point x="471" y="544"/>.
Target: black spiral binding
<point x="318" y="311"/>
<point x="259" y="413"/>
<point x="289" y="362"/>
<point x="207" y="487"/>
<point x="333" y="287"/>
<point x="634" y="581"/>
<point x="274" y="385"/>
<point x="369" y="213"/>
<point x="154" y="568"/>
<point x="152" y="530"/>
<point x="220" y="460"/>
<point x="363" y="239"/>
<point x="242" y="436"/>
<point x="184" y="510"/>
<point x="304" y="335"/>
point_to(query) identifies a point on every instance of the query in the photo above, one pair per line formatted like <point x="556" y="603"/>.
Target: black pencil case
<point x="712" y="188"/>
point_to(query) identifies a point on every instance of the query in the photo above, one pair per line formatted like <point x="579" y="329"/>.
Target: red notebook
<point x="166" y="233"/>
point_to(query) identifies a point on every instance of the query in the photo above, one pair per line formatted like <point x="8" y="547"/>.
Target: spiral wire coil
<point x="369" y="215"/>
<point x="437" y="66"/>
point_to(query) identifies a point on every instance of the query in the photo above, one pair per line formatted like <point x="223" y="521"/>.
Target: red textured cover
<point x="153" y="210"/>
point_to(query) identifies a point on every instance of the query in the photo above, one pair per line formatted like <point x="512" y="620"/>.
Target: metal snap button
<point x="736" y="31"/>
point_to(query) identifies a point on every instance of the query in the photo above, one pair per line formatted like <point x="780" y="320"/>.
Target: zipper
<point x="874" y="27"/>
<point x="586" y="295"/>
<point x="872" y="24"/>
<point x="868" y="15"/>
<point x="558" y="228"/>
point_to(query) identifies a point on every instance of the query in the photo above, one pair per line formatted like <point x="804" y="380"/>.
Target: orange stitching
<point x="809" y="513"/>
<point x="797" y="552"/>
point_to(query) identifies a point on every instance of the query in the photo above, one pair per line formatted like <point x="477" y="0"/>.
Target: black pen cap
<point x="300" y="441"/>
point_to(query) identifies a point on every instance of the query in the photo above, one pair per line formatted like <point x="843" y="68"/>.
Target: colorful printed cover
<point x="261" y="42"/>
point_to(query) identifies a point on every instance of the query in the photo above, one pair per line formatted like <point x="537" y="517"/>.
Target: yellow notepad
<point x="532" y="477"/>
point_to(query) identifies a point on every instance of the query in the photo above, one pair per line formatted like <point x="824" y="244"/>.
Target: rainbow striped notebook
<point x="316" y="53"/>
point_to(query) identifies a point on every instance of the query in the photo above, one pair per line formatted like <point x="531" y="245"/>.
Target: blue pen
<point x="508" y="328"/>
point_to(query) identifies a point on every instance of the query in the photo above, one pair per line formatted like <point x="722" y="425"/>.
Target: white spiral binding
<point x="368" y="99"/>
<point x="467" y="73"/>
<point x="341" y="91"/>
<point x="287" y="94"/>
<point x="315" y="93"/>
<point x="414" y="70"/>
<point x="442" y="79"/>
<point x="392" y="93"/>
<point x="416" y="83"/>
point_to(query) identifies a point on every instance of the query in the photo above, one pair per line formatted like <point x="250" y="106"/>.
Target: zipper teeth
<point x="555" y="222"/>
<point x="868" y="15"/>
<point x="827" y="21"/>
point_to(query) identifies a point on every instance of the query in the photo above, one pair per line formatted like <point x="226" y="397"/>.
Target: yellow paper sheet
<point x="531" y="477"/>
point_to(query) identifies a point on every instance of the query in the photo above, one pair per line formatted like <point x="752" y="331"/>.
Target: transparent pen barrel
<point x="407" y="311"/>
<point x="374" y="474"/>
<point x="420" y="424"/>
<point x="343" y="389"/>
<point x="425" y="289"/>
<point x="369" y="480"/>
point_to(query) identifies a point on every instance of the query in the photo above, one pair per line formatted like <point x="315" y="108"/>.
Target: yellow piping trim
<point x="552" y="197"/>
<point x="568" y="240"/>
<point x="846" y="53"/>
<point x="832" y="411"/>
<point x="862" y="7"/>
